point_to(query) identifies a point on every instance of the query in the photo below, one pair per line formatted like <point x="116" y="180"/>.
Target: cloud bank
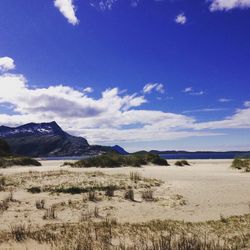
<point x="113" y="117"/>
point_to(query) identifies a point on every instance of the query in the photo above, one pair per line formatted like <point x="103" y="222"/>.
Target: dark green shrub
<point x="241" y="163"/>
<point x="129" y="195"/>
<point x="110" y="191"/>
<point x="4" y="148"/>
<point x="112" y="160"/>
<point x="34" y="190"/>
<point x="18" y="161"/>
<point x="182" y="163"/>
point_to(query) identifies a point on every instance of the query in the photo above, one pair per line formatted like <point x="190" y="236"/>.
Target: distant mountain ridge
<point x="51" y="128"/>
<point x="47" y="140"/>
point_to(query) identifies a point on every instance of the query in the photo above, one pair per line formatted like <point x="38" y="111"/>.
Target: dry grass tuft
<point x="148" y="195"/>
<point x="40" y="204"/>
<point x="50" y="213"/>
<point x="129" y="195"/>
<point x="2" y="182"/>
<point x="92" y="196"/>
<point x="135" y="176"/>
<point x="110" y="191"/>
<point x="18" y="232"/>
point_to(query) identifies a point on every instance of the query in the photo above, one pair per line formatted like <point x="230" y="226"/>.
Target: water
<point x="201" y="155"/>
<point x="66" y="158"/>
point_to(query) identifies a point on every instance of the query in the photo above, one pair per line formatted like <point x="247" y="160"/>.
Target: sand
<point x="206" y="190"/>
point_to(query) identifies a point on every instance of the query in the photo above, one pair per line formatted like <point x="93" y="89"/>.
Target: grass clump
<point x="4" y="205"/>
<point x="18" y="161"/>
<point x="112" y="160"/>
<point x="50" y="213"/>
<point x="182" y="163"/>
<point x="148" y="195"/>
<point x="135" y="176"/>
<point x="110" y="191"/>
<point x="241" y="164"/>
<point x="129" y="195"/>
<point x="40" y="204"/>
<point x="18" y="232"/>
<point x="2" y="182"/>
<point x="92" y="196"/>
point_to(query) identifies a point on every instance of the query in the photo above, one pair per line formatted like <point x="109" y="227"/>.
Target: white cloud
<point x="203" y="110"/>
<point x="158" y="87"/>
<point x="114" y="117"/>
<point x="240" y="119"/>
<point x="181" y="19"/>
<point x="103" y="4"/>
<point x="188" y="89"/>
<point x="247" y="104"/>
<point x="197" y="93"/>
<point x="229" y="4"/>
<point x="88" y="90"/>
<point x="67" y="8"/>
<point x="6" y="64"/>
<point x="224" y="100"/>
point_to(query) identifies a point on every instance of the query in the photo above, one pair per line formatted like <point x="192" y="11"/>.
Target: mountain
<point x="4" y="148"/>
<point x="47" y="140"/>
<point x="120" y="150"/>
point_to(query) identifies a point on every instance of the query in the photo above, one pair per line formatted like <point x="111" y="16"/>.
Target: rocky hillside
<point x="47" y="140"/>
<point x="4" y="148"/>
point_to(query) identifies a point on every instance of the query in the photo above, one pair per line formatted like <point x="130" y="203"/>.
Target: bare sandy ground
<point x="208" y="189"/>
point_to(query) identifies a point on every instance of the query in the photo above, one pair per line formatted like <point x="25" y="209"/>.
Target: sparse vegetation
<point x="112" y="160"/>
<point x="2" y="182"/>
<point x="40" y="204"/>
<point x="92" y="196"/>
<point x="241" y="164"/>
<point x="18" y="232"/>
<point x="182" y="163"/>
<point x="18" y="161"/>
<point x="135" y="176"/>
<point x="110" y="192"/>
<point x="108" y="234"/>
<point x="129" y="194"/>
<point x="50" y="213"/>
<point x="4" y="205"/>
<point x="34" y="190"/>
<point x="147" y="195"/>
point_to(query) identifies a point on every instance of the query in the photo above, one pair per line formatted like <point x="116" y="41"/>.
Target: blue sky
<point x="169" y="74"/>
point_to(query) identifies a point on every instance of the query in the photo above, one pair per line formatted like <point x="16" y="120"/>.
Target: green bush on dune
<point x="241" y="164"/>
<point x="182" y="163"/>
<point x="112" y="160"/>
<point x="8" y="159"/>
<point x="18" y="161"/>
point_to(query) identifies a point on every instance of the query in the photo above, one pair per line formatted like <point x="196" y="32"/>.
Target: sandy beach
<point x="204" y="191"/>
<point x="208" y="189"/>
